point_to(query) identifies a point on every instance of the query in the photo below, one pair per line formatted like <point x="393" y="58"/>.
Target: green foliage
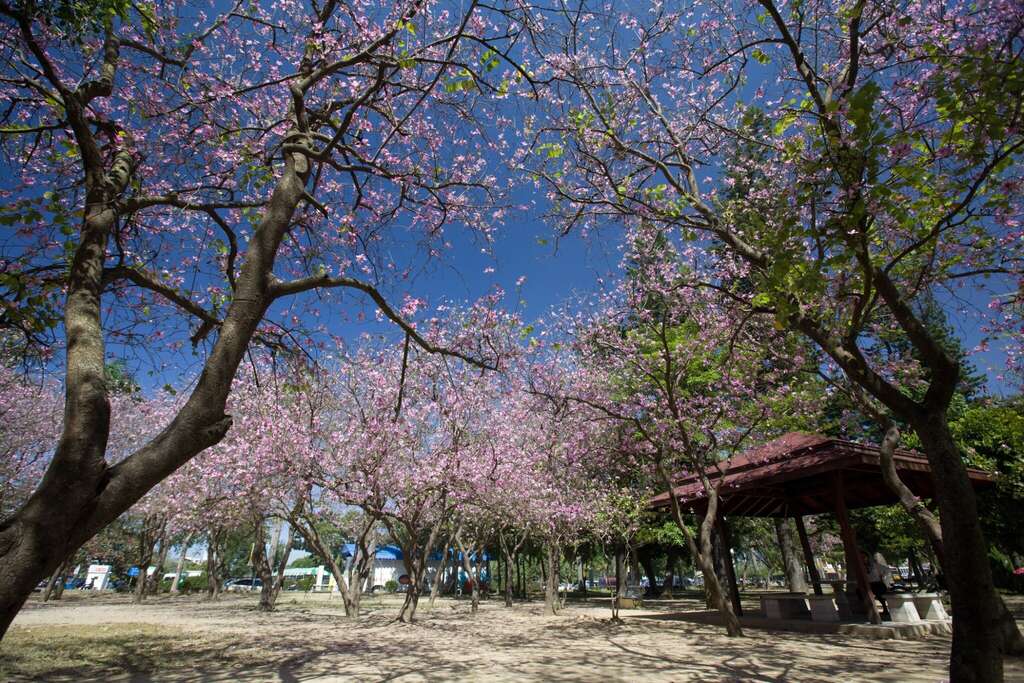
<point x="119" y="379"/>
<point x="194" y="584"/>
<point x="889" y="530"/>
<point x="391" y="586"/>
<point x="992" y="437"/>
<point x="303" y="583"/>
<point x="661" y="531"/>
<point x="306" y="562"/>
<point x="75" y="20"/>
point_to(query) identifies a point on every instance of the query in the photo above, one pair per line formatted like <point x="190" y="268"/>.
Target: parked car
<point x="41" y="586"/>
<point x="241" y="585"/>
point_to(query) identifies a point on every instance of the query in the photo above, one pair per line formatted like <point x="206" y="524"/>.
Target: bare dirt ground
<point x="105" y="638"/>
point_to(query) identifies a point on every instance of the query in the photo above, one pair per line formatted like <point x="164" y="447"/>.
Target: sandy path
<point x="312" y="641"/>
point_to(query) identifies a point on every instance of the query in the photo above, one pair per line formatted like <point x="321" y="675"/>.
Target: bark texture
<point x="790" y="556"/>
<point x="1013" y="641"/>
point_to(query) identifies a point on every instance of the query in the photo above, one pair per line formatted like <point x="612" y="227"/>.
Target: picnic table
<point x="776" y="605"/>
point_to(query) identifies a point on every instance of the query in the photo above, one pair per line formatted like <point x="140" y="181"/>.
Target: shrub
<point x="391" y="586"/>
<point x="193" y="584"/>
<point x="303" y="583"/>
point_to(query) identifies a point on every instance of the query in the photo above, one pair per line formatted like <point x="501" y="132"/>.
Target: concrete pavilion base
<point x="887" y="630"/>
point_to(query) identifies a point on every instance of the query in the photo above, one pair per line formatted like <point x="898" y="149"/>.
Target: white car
<point x="239" y="585"/>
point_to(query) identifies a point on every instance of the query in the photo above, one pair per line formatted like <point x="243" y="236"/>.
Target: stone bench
<point x="929" y="607"/>
<point x="785" y="605"/>
<point x="631" y="598"/>
<point x="902" y="608"/>
<point x="823" y="608"/>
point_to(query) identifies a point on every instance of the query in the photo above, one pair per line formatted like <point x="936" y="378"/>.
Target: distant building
<point x="388" y="565"/>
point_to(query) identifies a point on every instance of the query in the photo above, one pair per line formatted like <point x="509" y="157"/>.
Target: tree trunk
<point x="702" y="553"/>
<point x="668" y="585"/>
<point x="551" y="579"/>
<point x="267" y="563"/>
<point x="472" y="573"/>
<point x="521" y="576"/>
<point x="181" y="563"/>
<point x="153" y="583"/>
<point x="80" y="493"/>
<point x="152" y="527"/>
<point x="646" y="560"/>
<point x="214" y="563"/>
<point x="416" y="555"/>
<point x="271" y="567"/>
<point x="56" y="580"/>
<point x="435" y="589"/>
<point x="262" y="565"/>
<point x="977" y="652"/>
<point x="58" y="590"/>
<point x="435" y="586"/>
<point x="412" y="595"/>
<point x="507" y="582"/>
<point x="1013" y="641"/>
<point x="620" y="580"/>
<point x="350" y="594"/>
<point x="790" y="556"/>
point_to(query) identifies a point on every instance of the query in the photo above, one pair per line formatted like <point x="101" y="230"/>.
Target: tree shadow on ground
<point x="304" y="643"/>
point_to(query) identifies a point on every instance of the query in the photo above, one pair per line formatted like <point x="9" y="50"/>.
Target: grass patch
<point x="71" y="652"/>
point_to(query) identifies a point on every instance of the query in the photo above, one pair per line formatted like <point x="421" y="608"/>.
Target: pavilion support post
<point x="805" y="543"/>
<point x="725" y="543"/>
<point x="860" y="572"/>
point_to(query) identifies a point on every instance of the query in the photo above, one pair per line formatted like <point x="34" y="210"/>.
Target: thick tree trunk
<point x="790" y="556"/>
<point x="977" y="652"/>
<point x="80" y="493"/>
<point x="1013" y="641"/>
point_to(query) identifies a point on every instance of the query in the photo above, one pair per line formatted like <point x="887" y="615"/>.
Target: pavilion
<point x="802" y="474"/>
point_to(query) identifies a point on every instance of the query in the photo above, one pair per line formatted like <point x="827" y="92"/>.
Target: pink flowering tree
<point x="846" y="159"/>
<point x="183" y="170"/>
<point x="29" y="418"/>
<point x="252" y="479"/>
<point x="681" y="378"/>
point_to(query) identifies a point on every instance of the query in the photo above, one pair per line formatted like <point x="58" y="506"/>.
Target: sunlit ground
<point x="104" y="637"/>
